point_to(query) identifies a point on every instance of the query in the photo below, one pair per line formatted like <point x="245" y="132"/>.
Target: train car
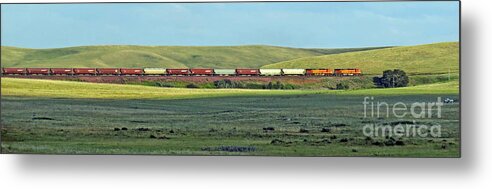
<point x="131" y="71"/>
<point x="202" y="71"/>
<point x="178" y="71"/>
<point x="108" y="71"/>
<point x="348" y="72"/>
<point x="225" y="72"/>
<point x="155" y="71"/>
<point x="320" y="72"/>
<point x="61" y="71"/>
<point x="271" y="72"/>
<point x="14" y="71"/>
<point x="84" y="71"/>
<point x="244" y="72"/>
<point x="293" y="72"/>
<point x="38" y="71"/>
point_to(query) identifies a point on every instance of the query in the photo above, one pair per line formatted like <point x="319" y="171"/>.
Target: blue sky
<point x="322" y="24"/>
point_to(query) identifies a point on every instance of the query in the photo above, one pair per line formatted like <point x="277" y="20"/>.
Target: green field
<point x="72" y="117"/>
<point x="253" y="56"/>
<point x="40" y="116"/>
<point x="72" y="89"/>
<point x="438" y="58"/>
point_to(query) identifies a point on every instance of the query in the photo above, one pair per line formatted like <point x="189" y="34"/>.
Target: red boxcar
<point x="202" y="71"/>
<point x="41" y="71"/>
<point x="108" y="71"/>
<point x="247" y="72"/>
<point x="14" y="70"/>
<point x="131" y="71"/>
<point x="178" y="71"/>
<point x="84" y="71"/>
<point x="61" y="71"/>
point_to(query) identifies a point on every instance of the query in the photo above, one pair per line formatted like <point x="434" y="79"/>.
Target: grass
<point x="438" y="58"/>
<point x="251" y="56"/>
<point x="71" y="89"/>
<point x="435" y="88"/>
<point x="69" y="117"/>
<point x="201" y="126"/>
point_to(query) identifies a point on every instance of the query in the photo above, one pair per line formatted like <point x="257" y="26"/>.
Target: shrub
<point x="278" y="85"/>
<point x="231" y="148"/>
<point x="303" y="130"/>
<point x="164" y="84"/>
<point x="227" y="83"/>
<point x="192" y="85"/>
<point x="391" y="79"/>
<point x="277" y="141"/>
<point x="326" y="130"/>
<point x="342" y="86"/>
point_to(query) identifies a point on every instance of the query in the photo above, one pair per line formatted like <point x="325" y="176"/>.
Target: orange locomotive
<point x="321" y="72"/>
<point x="348" y="72"/>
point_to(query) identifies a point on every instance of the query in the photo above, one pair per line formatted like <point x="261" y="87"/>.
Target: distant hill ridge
<point x="249" y="56"/>
<point x="436" y="58"/>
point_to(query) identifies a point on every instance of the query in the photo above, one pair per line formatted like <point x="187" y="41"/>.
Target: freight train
<point x="180" y="72"/>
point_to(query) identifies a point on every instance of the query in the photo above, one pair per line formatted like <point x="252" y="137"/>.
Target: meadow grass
<point x="71" y="89"/>
<point x="438" y="58"/>
<point x="302" y="125"/>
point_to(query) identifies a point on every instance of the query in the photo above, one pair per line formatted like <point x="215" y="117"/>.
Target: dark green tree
<point x="391" y="79"/>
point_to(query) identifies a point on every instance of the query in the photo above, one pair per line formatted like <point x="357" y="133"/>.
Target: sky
<point x="304" y="25"/>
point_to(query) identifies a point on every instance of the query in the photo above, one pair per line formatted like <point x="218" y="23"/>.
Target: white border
<point x="473" y="170"/>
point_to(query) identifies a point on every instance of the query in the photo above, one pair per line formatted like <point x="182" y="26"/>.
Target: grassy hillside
<point x="422" y="59"/>
<point x="70" y="89"/>
<point x="158" y="56"/>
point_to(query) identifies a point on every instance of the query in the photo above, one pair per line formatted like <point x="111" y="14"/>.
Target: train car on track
<point x="38" y="71"/>
<point x="293" y="72"/>
<point x="85" y="71"/>
<point x="178" y="71"/>
<point x="319" y="72"/>
<point x="181" y="72"/>
<point x="202" y="71"/>
<point x="61" y="71"/>
<point x="248" y="72"/>
<point x="14" y="71"/>
<point x="155" y="71"/>
<point x="225" y="72"/>
<point x="271" y="72"/>
<point x="108" y="71"/>
<point x="348" y="72"/>
<point x="131" y="71"/>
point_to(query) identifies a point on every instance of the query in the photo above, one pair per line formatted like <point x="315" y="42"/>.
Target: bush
<point x="164" y="84"/>
<point x="303" y="130"/>
<point x="253" y="86"/>
<point x="326" y="130"/>
<point x="342" y="86"/>
<point x="192" y="85"/>
<point x="278" y="85"/>
<point x="227" y="83"/>
<point x="231" y="148"/>
<point x="391" y="79"/>
<point x="289" y="86"/>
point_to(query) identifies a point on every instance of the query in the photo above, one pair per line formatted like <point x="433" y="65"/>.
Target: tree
<point x="391" y="79"/>
<point x="342" y="86"/>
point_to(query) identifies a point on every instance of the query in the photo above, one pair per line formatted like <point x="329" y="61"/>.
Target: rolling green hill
<point x="421" y="59"/>
<point x="253" y="56"/>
